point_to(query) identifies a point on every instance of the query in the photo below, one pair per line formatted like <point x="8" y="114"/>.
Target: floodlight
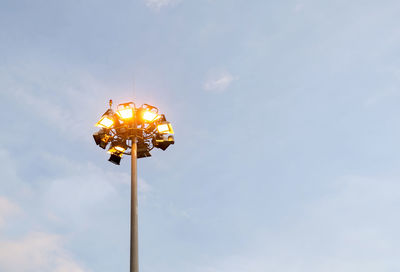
<point x="126" y="111"/>
<point x="165" y="128"/>
<point x="102" y="138"/>
<point x="115" y="159"/>
<point x="162" y="141"/>
<point x="149" y="113"/>
<point x="116" y="150"/>
<point x="142" y="149"/>
<point x="97" y="136"/>
<point x="149" y="116"/>
<point x="107" y="120"/>
<point x="118" y="147"/>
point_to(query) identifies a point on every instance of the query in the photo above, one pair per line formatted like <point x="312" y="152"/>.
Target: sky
<point x="285" y="113"/>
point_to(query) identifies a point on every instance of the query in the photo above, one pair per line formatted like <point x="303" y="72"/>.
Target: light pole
<point x="138" y="130"/>
<point x="134" y="266"/>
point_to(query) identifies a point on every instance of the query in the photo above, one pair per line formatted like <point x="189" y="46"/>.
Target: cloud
<point x="91" y="187"/>
<point x="143" y="186"/>
<point x="299" y="7"/>
<point x="381" y="97"/>
<point x="158" y="4"/>
<point x="7" y="208"/>
<point x="219" y="82"/>
<point x="68" y="103"/>
<point x="59" y="116"/>
<point x="68" y="202"/>
<point x="37" y="252"/>
<point x="353" y="227"/>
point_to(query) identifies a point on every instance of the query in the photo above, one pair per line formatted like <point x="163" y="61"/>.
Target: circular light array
<point x="144" y="125"/>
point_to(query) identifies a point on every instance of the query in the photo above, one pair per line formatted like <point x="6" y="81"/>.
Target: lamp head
<point x="143" y="149"/>
<point x="118" y="147"/>
<point x="126" y="111"/>
<point x="165" y="128"/>
<point x="115" y="159"/>
<point x="149" y="113"/>
<point x="163" y="141"/>
<point x="107" y="120"/>
<point x="102" y="138"/>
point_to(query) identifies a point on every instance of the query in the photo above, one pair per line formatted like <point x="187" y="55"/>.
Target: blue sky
<point x="286" y="123"/>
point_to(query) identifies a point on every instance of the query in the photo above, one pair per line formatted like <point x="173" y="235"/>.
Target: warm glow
<point x="105" y="138"/>
<point x="117" y="149"/>
<point x="165" y="128"/>
<point x="120" y="148"/>
<point x="150" y="116"/>
<point x="105" y="122"/>
<point x="126" y="113"/>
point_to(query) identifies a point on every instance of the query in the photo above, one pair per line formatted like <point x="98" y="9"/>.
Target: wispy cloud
<point x="381" y="97"/>
<point x="219" y="82"/>
<point x="31" y="251"/>
<point x="37" y="252"/>
<point x="7" y="208"/>
<point x="158" y="4"/>
<point x="299" y="7"/>
<point x="351" y="228"/>
<point x="143" y="186"/>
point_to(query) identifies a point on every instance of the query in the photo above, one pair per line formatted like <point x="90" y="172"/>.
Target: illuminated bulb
<point x="126" y="113"/>
<point x="150" y="116"/>
<point x="120" y="149"/>
<point x="165" y="128"/>
<point x="105" y="122"/>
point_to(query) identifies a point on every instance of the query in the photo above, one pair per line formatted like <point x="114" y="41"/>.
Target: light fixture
<point x="142" y="126"/>
<point x="165" y="128"/>
<point x="162" y="141"/>
<point x="115" y="159"/>
<point x="143" y="150"/>
<point x="126" y="111"/>
<point x="116" y="151"/>
<point x="149" y="116"/>
<point x="149" y="113"/>
<point x="102" y="138"/>
<point x="118" y="147"/>
<point x="107" y="120"/>
<point x="97" y="136"/>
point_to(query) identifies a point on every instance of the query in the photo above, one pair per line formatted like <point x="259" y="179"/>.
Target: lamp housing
<point x="165" y="128"/>
<point x="126" y="111"/>
<point x="149" y="113"/>
<point x="118" y="147"/>
<point x="115" y="159"/>
<point x="163" y="141"/>
<point x="142" y="149"/>
<point x="107" y="120"/>
<point x="102" y="138"/>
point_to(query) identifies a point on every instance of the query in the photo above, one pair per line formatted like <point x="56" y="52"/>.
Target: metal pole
<point x="134" y="210"/>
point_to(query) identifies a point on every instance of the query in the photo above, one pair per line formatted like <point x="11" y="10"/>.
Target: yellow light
<point x="105" y="122"/>
<point x="125" y="113"/>
<point x="117" y="149"/>
<point x="120" y="149"/>
<point x="113" y="150"/>
<point x="150" y="116"/>
<point x="165" y="128"/>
